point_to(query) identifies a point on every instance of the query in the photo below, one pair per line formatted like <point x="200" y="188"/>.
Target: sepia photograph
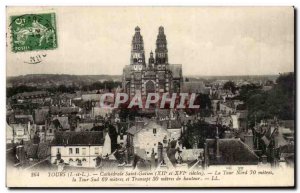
<point x="174" y="97"/>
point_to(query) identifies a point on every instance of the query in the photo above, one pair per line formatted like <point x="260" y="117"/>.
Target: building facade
<point x="80" y="148"/>
<point x="156" y="76"/>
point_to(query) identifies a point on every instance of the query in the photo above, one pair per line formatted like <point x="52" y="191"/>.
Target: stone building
<point x="81" y="149"/>
<point x="156" y="76"/>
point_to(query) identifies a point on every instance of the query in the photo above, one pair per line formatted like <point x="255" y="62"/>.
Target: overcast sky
<point x="206" y="41"/>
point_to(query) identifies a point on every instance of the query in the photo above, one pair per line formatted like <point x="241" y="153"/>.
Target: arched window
<point x="150" y="87"/>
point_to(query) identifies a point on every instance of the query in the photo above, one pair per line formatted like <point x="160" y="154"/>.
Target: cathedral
<point x="156" y="76"/>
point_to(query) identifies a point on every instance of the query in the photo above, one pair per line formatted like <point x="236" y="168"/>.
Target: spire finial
<point x="137" y="28"/>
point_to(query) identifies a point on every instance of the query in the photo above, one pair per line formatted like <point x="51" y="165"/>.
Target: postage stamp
<point x="33" y="32"/>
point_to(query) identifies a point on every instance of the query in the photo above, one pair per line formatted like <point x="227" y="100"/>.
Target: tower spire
<point x="137" y="48"/>
<point x="161" y="51"/>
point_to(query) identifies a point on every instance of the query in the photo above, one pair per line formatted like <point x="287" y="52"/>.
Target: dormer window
<point x="154" y="131"/>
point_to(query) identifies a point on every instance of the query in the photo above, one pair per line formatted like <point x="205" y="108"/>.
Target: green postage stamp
<point x="33" y="32"/>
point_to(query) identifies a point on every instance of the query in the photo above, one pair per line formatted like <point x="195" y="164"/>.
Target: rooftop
<point x="79" y="138"/>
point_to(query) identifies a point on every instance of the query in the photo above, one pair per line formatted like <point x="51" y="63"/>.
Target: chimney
<point x="126" y="156"/>
<point x="153" y="165"/>
<point x="249" y="139"/>
<point x="159" y="152"/>
<point x="169" y="123"/>
<point x="206" y="158"/>
<point x="20" y="154"/>
<point x="28" y="129"/>
<point x="218" y="156"/>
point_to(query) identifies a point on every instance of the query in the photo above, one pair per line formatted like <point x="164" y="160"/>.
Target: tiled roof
<point x="191" y="154"/>
<point x="175" y="124"/>
<point x="41" y="115"/>
<point x="78" y="138"/>
<point x="195" y="87"/>
<point x="30" y="94"/>
<point x="232" y="151"/>
<point x="91" y="97"/>
<point x="133" y="130"/>
<point x="151" y="124"/>
<point x="64" y="122"/>
<point x="24" y="119"/>
<point x="63" y="110"/>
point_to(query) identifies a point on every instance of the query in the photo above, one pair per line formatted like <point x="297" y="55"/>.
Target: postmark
<point x="33" y="32"/>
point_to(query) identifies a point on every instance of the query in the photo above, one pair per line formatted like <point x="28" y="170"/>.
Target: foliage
<point x="230" y="85"/>
<point x="197" y="133"/>
<point x="109" y="85"/>
<point x="11" y="91"/>
<point x="279" y="101"/>
<point x="205" y="106"/>
<point x="128" y="113"/>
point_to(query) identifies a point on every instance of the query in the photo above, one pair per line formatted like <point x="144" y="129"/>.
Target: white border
<point x="5" y="3"/>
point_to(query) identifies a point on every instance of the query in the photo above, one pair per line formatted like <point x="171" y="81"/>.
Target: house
<point x="80" y="148"/>
<point x="239" y="120"/>
<point x="21" y="132"/>
<point x="143" y="139"/>
<point x="85" y="126"/>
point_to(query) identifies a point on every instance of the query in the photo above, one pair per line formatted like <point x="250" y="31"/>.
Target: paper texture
<point x="150" y="97"/>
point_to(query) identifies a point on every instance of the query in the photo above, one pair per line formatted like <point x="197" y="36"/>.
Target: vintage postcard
<point x="150" y="97"/>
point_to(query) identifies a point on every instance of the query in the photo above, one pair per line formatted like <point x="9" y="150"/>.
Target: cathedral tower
<point x="157" y="76"/>
<point x="161" y="51"/>
<point x="137" y="50"/>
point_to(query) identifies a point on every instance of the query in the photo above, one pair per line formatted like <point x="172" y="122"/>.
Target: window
<point x="97" y="150"/>
<point x="154" y="130"/>
<point x="77" y="150"/>
<point x="121" y="137"/>
<point x="83" y="151"/>
<point x="70" y="151"/>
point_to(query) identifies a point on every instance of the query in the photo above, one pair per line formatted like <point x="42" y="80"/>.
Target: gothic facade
<point x="154" y="76"/>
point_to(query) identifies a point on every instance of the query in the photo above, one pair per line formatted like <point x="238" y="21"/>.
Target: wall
<point x="89" y="155"/>
<point x="147" y="140"/>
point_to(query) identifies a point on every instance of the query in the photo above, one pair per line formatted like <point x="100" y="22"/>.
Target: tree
<point x="230" y="86"/>
<point x="279" y="101"/>
<point x="196" y="133"/>
<point x="205" y="106"/>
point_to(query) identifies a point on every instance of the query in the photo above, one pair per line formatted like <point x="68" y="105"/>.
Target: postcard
<point x="150" y="97"/>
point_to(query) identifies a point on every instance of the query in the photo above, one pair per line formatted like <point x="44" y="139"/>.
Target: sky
<point x="205" y="40"/>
